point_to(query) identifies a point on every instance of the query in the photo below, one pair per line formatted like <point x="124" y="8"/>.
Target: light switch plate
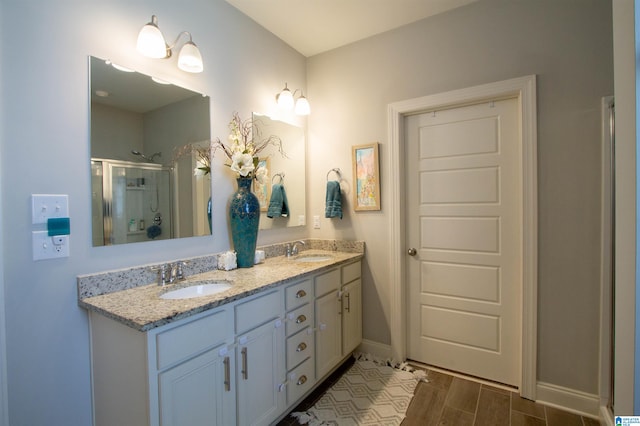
<point x="45" y="206"/>
<point x="46" y="247"/>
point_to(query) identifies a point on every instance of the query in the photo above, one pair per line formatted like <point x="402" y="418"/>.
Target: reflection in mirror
<point x="287" y="173"/>
<point x="140" y="190"/>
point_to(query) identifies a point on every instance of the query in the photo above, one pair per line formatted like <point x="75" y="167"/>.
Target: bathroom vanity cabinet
<point x="246" y="362"/>
<point x="338" y="315"/>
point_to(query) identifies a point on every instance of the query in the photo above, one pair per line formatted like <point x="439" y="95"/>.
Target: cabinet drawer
<point x="298" y="294"/>
<point x="181" y="342"/>
<point x="300" y="380"/>
<point x="351" y="272"/>
<point x="258" y="311"/>
<point x="327" y="282"/>
<point x="299" y="319"/>
<point x="299" y="347"/>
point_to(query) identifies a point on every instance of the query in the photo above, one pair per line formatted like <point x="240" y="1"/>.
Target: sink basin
<point x="312" y="258"/>
<point x="196" y="290"/>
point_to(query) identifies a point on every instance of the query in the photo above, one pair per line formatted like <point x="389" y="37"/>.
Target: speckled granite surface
<point x="127" y="295"/>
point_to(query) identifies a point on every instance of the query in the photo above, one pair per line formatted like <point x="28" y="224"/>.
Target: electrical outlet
<point x="316" y="222"/>
<point x="301" y="220"/>
<point x="46" y="247"/>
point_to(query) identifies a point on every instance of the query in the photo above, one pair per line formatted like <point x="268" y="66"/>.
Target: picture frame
<point x="263" y="191"/>
<point x="366" y="177"/>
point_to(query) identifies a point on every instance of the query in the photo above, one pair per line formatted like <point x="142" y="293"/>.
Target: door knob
<point x="412" y="252"/>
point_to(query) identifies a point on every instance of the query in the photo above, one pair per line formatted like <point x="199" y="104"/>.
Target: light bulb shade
<point x="302" y="106"/>
<point x="285" y="98"/>
<point x="190" y="59"/>
<point x="151" y="41"/>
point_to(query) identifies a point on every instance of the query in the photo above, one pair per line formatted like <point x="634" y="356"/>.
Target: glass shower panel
<point x="141" y="208"/>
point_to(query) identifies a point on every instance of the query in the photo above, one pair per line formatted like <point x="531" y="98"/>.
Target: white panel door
<point x="464" y="220"/>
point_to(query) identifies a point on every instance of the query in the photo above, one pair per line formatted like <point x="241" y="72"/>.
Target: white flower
<point x="242" y="163"/>
<point x="261" y="175"/>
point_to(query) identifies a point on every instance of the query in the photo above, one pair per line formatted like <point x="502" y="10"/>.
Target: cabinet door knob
<point x="302" y="380"/>
<point x="301" y="318"/>
<point x="300" y="294"/>
<point x="301" y="347"/>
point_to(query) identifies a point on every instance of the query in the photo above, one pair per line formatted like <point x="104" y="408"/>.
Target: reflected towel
<point x="333" y="207"/>
<point x="154" y="231"/>
<point x="278" y="204"/>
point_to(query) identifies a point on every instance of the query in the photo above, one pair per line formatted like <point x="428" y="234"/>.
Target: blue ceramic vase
<point x="244" y="214"/>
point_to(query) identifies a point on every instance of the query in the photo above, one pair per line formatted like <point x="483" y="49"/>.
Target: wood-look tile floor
<point x="456" y="401"/>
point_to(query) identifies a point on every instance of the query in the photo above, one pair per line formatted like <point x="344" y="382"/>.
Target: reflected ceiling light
<point x="285" y="100"/>
<point x="151" y="43"/>
<point x="118" y="67"/>
<point x="160" y="81"/>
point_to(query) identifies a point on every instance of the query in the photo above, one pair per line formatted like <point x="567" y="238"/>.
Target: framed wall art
<point x="366" y="177"/>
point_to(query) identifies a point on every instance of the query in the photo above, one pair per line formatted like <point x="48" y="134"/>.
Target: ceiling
<point x="316" y="26"/>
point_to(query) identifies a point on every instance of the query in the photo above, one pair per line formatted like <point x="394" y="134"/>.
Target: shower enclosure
<point x="131" y="202"/>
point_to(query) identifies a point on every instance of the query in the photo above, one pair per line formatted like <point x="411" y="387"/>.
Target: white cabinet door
<point x="260" y="372"/>
<point x="329" y="333"/>
<point x="195" y="393"/>
<point x="351" y="316"/>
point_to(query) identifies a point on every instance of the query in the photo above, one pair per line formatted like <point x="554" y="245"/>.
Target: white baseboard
<point x="578" y="402"/>
<point x="379" y="350"/>
<point x="606" y="417"/>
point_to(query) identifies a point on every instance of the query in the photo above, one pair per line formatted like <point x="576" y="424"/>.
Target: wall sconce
<point x="151" y="43"/>
<point x="285" y="101"/>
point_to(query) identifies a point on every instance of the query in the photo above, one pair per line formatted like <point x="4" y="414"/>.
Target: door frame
<point x="524" y="89"/>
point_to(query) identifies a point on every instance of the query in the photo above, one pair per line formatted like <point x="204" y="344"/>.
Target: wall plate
<point x="46" y="247"/>
<point x="45" y="206"/>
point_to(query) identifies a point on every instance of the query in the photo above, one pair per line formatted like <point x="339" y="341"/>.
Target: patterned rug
<point x="369" y="393"/>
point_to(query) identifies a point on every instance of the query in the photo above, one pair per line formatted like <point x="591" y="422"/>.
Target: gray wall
<point x="568" y="45"/>
<point x="44" y="148"/>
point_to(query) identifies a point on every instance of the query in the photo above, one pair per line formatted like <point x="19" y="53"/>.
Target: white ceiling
<point x="315" y="26"/>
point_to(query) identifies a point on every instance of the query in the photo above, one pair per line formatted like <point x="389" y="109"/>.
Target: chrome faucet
<point x="170" y="273"/>
<point x="293" y="250"/>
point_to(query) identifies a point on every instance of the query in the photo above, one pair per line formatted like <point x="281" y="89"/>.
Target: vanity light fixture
<point x="151" y="43"/>
<point x="285" y="100"/>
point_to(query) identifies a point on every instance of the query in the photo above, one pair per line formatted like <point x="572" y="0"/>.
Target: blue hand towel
<point x="333" y="206"/>
<point x="278" y="204"/>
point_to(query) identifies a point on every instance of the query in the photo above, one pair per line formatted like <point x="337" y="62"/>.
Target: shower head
<point x="145" y="157"/>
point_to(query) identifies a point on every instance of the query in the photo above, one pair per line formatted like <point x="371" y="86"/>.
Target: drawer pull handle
<point x="302" y="380"/>
<point x="301" y="319"/>
<point x="245" y="367"/>
<point x="301" y="347"/>
<point x="300" y="294"/>
<point x="227" y="374"/>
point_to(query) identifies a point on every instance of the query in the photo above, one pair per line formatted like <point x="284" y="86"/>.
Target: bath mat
<point x="371" y="392"/>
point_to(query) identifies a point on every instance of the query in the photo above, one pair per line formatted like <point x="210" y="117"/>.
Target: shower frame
<point x="107" y="191"/>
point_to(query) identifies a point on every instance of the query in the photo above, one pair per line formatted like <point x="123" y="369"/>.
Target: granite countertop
<point x="142" y="309"/>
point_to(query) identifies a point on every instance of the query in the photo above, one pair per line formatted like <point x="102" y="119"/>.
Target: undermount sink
<point x="312" y="258"/>
<point x="196" y="290"/>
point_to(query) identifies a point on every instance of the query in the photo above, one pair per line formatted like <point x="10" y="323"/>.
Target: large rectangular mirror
<point x="286" y="177"/>
<point x="142" y="191"/>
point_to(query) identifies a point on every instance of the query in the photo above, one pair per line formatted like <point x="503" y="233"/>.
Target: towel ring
<point x="337" y="171"/>
<point x="280" y="175"/>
